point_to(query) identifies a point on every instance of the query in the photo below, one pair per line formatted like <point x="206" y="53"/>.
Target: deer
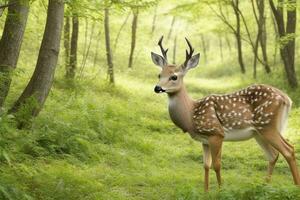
<point x="258" y="111"/>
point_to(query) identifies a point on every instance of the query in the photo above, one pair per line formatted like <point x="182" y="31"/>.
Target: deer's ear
<point x="193" y="62"/>
<point x="158" y="60"/>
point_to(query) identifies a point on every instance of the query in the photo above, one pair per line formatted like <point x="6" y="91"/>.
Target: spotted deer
<point x="258" y="111"/>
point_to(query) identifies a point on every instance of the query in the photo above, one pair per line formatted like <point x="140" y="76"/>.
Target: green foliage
<point x="95" y="141"/>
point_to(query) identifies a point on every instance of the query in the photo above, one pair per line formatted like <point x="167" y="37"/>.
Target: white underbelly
<point x="239" y="134"/>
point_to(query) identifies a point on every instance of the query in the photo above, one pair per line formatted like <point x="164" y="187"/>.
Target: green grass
<point x="95" y="141"/>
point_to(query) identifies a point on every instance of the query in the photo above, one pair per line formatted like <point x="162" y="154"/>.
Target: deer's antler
<point x="188" y="55"/>
<point x="163" y="51"/>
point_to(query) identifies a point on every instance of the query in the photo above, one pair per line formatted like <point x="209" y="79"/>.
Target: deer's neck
<point x="181" y="108"/>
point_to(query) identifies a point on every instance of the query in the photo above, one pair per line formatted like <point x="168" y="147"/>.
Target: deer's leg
<point x="270" y="153"/>
<point x="276" y="140"/>
<point x="207" y="164"/>
<point x="215" y="144"/>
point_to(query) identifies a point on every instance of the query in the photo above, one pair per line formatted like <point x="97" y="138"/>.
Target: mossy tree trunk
<point x="10" y="43"/>
<point x="41" y="81"/>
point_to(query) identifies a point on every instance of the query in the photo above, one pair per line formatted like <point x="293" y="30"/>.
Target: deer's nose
<point x="158" y="89"/>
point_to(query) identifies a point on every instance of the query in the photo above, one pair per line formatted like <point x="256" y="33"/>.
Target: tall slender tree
<point x="67" y="28"/>
<point x="133" y="35"/>
<point x="109" y="57"/>
<point x="286" y="33"/>
<point x="71" y="71"/>
<point x="41" y="81"/>
<point x="235" y="29"/>
<point x="10" y="43"/>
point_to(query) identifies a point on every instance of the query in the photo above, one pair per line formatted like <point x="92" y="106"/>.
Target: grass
<point x="95" y="141"/>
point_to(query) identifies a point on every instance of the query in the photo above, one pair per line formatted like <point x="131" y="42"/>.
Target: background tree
<point x="109" y="57"/>
<point x="286" y="33"/>
<point x="67" y="27"/>
<point x="71" y="70"/>
<point x="41" y="81"/>
<point x="10" y="43"/>
<point x="134" y="25"/>
<point x="236" y="29"/>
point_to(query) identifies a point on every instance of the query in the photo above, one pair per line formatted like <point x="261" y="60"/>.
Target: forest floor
<point x="95" y="141"/>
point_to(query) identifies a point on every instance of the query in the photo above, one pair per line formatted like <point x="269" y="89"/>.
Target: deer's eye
<point x="173" y="78"/>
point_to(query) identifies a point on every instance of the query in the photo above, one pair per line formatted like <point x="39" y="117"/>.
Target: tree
<point x="120" y="30"/>
<point x="37" y="90"/>
<point x="261" y="36"/>
<point x="10" y="43"/>
<point x="171" y="28"/>
<point x="235" y="30"/>
<point x="286" y="33"/>
<point x="154" y="20"/>
<point x="109" y="58"/>
<point x="67" y="28"/>
<point x="133" y="35"/>
<point x="71" y="70"/>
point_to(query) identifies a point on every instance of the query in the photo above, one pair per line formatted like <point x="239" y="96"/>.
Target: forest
<point x="79" y="118"/>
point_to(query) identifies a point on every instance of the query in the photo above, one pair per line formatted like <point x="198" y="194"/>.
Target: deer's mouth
<point x="159" y="89"/>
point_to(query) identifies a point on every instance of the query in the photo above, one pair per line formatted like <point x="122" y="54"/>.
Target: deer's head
<point x="171" y="76"/>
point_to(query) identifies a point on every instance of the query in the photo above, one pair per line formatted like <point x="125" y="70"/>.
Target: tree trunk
<point x="108" y="48"/>
<point x="67" y="41"/>
<point x="133" y="36"/>
<point x="87" y="53"/>
<point x="287" y="50"/>
<point x="275" y="39"/>
<point x="97" y="48"/>
<point x="154" y="20"/>
<point x="228" y="43"/>
<point x="10" y="43"/>
<point x="34" y="96"/>
<point x="120" y="30"/>
<point x="174" y="49"/>
<point x="221" y="46"/>
<point x="171" y="28"/>
<point x="263" y="34"/>
<point x="74" y="43"/>
<point x="203" y="44"/>
<point x="235" y="4"/>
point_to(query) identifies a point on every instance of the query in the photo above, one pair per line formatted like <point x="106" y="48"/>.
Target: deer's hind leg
<point x="275" y="139"/>
<point x="271" y="154"/>
<point x="215" y="144"/>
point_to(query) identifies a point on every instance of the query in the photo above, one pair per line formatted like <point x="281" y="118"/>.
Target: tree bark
<point x="262" y="36"/>
<point x="174" y="49"/>
<point x="67" y="28"/>
<point x="10" y="43"/>
<point x="235" y="4"/>
<point x="110" y="70"/>
<point x="133" y="36"/>
<point x="35" y="94"/>
<point x="287" y="34"/>
<point x="204" y="47"/>
<point x="71" y="71"/>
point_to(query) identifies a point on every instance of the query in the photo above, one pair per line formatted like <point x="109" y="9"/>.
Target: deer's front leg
<point x="215" y="144"/>
<point x="207" y="164"/>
